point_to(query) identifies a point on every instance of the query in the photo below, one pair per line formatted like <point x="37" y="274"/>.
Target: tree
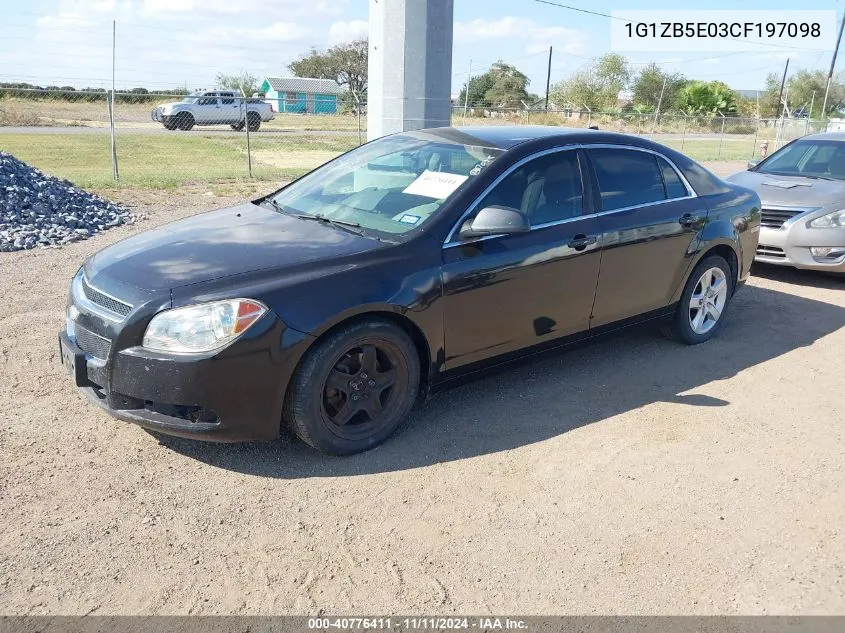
<point x="509" y="84"/>
<point x="245" y="82"/>
<point x="345" y="63"/>
<point x="804" y="83"/>
<point x="702" y="98"/>
<point x="596" y="85"/>
<point x="769" y="96"/>
<point x="478" y="87"/>
<point x="503" y="86"/>
<point x="648" y="85"/>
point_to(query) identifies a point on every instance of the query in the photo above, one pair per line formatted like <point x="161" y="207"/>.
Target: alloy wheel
<point x="360" y="389"/>
<point x="708" y="300"/>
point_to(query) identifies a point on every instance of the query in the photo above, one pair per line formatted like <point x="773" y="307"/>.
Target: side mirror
<point x="495" y="221"/>
<point x="752" y="163"/>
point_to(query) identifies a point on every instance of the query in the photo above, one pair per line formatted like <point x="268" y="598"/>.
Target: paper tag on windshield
<point x="435" y="184"/>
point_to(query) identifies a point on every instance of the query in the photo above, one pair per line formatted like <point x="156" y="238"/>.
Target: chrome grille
<point x="104" y="301"/>
<point x="774" y="218"/>
<point x="94" y="344"/>
<point x="770" y="251"/>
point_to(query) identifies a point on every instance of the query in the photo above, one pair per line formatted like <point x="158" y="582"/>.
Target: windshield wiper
<point x="795" y="175"/>
<point x="342" y="224"/>
<point x="272" y="202"/>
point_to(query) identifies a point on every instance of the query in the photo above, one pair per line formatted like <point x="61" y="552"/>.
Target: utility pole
<point x="548" y="78"/>
<point x="466" y="94"/>
<point x="659" y="101"/>
<point x="832" y="64"/>
<point x="782" y="84"/>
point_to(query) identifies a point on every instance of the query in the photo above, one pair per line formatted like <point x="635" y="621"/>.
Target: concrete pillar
<point x="410" y="65"/>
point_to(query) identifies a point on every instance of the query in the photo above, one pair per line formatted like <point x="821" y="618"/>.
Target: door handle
<point x="581" y="241"/>
<point x="688" y="219"/>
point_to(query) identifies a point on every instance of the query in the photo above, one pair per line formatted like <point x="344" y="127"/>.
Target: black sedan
<point x="331" y="305"/>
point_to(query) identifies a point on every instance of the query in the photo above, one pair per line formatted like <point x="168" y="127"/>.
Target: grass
<point x="708" y="150"/>
<point x="160" y="161"/>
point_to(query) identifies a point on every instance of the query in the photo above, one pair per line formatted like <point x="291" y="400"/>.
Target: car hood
<point x="170" y="105"/>
<point x="219" y="244"/>
<point x="794" y="191"/>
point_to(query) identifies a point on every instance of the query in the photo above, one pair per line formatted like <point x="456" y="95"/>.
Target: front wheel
<point x="185" y="121"/>
<point x="701" y="309"/>
<point x="354" y="388"/>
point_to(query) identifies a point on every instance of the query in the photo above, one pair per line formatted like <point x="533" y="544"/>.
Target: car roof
<point x="825" y="136"/>
<point x="505" y="137"/>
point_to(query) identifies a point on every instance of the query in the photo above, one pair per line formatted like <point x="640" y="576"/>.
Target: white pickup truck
<point x="213" y="107"/>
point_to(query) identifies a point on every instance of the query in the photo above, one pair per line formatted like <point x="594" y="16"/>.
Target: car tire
<point x="704" y="301"/>
<point x="185" y="121"/>
<point x="170" y="125"/>
<point x="254" y="121"/>
<point x="238" y="126"/>
<point x="354" y="387"/>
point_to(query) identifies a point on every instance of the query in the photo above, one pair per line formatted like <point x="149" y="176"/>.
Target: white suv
<point x="214" y="107"/>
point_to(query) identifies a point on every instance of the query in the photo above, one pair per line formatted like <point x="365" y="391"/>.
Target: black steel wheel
<point x="254" y="121"/>
<point x="354" y="388"/>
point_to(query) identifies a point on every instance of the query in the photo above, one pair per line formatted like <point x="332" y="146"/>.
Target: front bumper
<point x="790" y="246"/>
<point x="235" y="395"/>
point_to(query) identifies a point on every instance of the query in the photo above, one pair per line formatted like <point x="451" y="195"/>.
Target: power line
<point x="579" y="10"/>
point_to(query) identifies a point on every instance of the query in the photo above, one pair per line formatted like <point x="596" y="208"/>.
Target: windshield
<point x="189" y="99"/>
<point x="819" y="159"/>
<point x="391" y="185"/>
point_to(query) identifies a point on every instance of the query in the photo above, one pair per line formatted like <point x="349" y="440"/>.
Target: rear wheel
<point x="354" y="388"/>
<point x="254" y="121"/>
<point x="701" y="309"/>
<point x="185" y="121"/>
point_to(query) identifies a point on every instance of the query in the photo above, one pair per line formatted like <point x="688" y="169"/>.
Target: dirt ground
<point x="630" y="476"/>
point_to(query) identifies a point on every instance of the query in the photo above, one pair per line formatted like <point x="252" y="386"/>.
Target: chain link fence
<point x="140" y="139"/>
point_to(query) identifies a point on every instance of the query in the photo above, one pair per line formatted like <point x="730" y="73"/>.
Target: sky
<point x="164" y="44"/>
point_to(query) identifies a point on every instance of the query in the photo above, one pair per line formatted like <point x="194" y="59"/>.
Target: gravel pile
<point x="39" y="210"/>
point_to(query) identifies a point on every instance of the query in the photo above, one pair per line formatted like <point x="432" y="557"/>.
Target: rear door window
<point x="675" y="188"/>
<point x="627" y="178"/>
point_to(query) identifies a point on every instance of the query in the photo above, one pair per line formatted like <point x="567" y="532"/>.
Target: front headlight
<point x="202" y="328"/>
<point x="835" y="220"/>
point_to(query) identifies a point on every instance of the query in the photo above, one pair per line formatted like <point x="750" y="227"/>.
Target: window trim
<point x="451" y="242"/>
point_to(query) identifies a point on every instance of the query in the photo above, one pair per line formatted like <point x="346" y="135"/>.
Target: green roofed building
<point x="300" y="94"/>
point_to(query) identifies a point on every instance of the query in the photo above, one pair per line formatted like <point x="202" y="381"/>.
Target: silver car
<point x="802" y="189"/>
